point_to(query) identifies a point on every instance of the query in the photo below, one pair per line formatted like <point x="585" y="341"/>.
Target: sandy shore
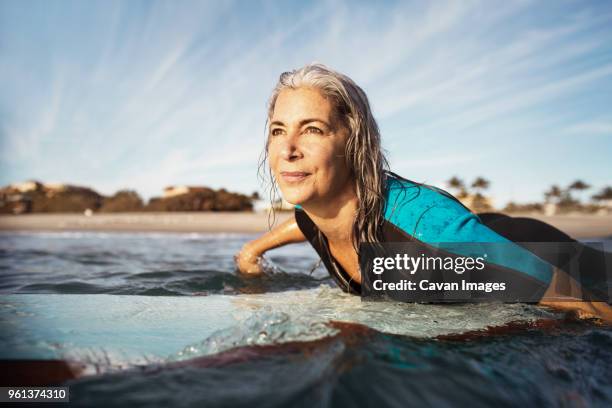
<point x="160" y="222"/>
<point x="578" y="226"/>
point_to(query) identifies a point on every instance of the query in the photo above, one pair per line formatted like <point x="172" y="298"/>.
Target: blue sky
<point x="148" y="94"/>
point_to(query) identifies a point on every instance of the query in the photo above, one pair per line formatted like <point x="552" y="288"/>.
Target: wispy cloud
<point x="591" y="128"/>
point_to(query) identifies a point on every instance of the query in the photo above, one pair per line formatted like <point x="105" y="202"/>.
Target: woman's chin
<point x="294" y="201"/>
<point x="295" y="198"/>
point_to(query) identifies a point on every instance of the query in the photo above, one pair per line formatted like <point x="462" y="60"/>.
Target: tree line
<point x="564" y="199"/>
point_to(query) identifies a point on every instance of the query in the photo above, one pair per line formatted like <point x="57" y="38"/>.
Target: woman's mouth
<point x="294" y="176"/>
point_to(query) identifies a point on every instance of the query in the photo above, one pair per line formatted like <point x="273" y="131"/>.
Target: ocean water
<point x="277" y="347"/>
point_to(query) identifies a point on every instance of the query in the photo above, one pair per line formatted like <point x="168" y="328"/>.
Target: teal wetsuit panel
<point x="433" y="216"/>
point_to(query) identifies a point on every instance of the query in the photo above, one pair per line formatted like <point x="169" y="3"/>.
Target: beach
<point x="576" y="225"/>
<point x="209" y="222"/>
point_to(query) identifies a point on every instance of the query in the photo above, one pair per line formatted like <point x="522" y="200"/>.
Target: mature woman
<point x="325" y="153"/>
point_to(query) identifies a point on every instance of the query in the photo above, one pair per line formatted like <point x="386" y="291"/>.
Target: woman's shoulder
<point x="421" y="210"/>
<point x="403" y="196"/>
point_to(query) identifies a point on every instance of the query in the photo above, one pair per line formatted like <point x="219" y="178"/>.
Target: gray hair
<point x="363" y="153"/>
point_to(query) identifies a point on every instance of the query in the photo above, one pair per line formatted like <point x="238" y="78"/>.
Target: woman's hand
<point x="561" y="299"/>
<point x="584" y="310"/>
<point x="248" y="260"/>
<point x="597" y="310"/>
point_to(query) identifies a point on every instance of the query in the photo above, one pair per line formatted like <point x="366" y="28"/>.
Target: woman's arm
<point x="247" y="260"/>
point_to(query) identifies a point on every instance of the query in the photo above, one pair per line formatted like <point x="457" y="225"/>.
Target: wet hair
<point x="363" y="152"/>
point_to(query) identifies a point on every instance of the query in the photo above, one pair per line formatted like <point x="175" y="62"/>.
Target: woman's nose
<point x="290" y="149"/>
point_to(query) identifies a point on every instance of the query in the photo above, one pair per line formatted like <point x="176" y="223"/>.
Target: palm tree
<point x="553" y="194"/>
<point x="480" y="184"/>
<point x="579" y="185"/>
<point x="457" y="184"/>
<point x="604" y="194"/>
<point x="479" y="202"/>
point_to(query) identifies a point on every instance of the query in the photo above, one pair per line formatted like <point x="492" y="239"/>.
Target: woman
<point x="325" y="153"/>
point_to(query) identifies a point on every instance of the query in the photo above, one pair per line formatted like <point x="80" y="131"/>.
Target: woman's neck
<point x="335" y="217"/>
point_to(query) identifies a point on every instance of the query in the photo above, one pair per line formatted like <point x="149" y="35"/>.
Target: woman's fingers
<point x="584" y="310"/>
<point x="248" y="261"/>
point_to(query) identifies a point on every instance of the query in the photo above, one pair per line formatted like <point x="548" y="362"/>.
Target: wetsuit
<point x="435" y="219"/>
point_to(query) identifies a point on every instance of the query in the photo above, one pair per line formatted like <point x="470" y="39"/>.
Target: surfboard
<point x="122" y="330"/>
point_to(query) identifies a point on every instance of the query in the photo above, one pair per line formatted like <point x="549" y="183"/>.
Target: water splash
<point x="304" y="315"/>
<point x="262" y="328"/>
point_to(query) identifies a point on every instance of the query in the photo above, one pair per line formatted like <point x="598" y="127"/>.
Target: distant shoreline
<point x="576" y="225"/>
<point x="213" y="222"/>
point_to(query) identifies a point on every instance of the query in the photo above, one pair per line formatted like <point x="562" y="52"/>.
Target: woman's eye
<point x="312" y="129"/>
<point x="276" y="132"/>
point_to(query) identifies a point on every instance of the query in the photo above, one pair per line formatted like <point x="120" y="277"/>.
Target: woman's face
<point x="306" y="147"/>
